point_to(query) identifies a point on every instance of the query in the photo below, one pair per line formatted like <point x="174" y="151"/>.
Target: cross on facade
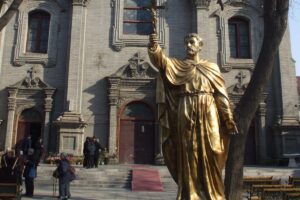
<point x="138" y="58"/>
<point x="32" y="72"/>
<point x="153" y="9"/>
<point x="241" y="76"/>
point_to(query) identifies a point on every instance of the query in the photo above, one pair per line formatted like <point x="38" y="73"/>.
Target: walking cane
<point x="54" y="188"/>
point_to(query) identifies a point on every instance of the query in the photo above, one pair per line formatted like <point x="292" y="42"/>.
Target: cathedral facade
<point x="71" y="69"/>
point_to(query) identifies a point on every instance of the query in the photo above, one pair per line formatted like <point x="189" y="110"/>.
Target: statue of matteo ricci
<point x="197" y="120"/>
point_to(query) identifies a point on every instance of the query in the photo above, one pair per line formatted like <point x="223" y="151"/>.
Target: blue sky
<point x="294" y="22"/>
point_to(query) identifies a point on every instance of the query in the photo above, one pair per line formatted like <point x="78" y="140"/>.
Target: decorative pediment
<point x="137" y="68"/>
<point x="32" y="81"/>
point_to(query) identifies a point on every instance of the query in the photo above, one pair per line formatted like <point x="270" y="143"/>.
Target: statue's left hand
<point x="231" y="127"/>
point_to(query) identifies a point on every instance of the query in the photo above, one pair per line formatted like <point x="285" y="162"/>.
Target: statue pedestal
<point x="70" y="133"/>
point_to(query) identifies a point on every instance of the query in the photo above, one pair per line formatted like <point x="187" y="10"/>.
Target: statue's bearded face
<point x="193" y="46"/>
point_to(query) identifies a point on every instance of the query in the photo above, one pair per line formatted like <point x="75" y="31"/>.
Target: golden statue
<point x="197" y="120"/>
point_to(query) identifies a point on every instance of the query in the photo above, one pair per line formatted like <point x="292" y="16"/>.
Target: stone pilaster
<point x="262" y="138"/>
<point x="200" y="17"/>
<point x="47" y="119"/>
<point x="10" y="118"/>
<point x="113" y="95"/>
<point x="77" y="54"/>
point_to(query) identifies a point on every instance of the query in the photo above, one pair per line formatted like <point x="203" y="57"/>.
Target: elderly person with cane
<point x="65" y="176"/>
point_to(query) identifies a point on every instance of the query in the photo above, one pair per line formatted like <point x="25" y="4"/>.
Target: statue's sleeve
<point x="224" y="107"/>
<point x="159" y="59"/>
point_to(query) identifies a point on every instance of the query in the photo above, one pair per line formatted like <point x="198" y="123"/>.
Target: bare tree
<point x="275" y="23"/>
<point x="6" y="17"/>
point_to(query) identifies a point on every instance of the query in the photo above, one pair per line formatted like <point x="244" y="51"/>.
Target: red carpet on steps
<point x="145" y="179"/>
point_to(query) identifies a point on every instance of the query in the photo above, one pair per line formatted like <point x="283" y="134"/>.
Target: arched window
<point x="136" y="20"/>
<point x="38" y="31"/>
<point x="239" y="38"/>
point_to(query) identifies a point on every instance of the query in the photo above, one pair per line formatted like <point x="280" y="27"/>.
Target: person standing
<point x="85" y="152"/>
<point x="29" y="172"/>
<point x="98" y="149"/>
<point x="38" y="151"/>
<point x="64" y="177"/>
<point x="90" y="152"/>
<point x="26" y="145"/>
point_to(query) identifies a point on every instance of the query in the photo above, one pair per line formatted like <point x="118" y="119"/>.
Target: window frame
<point x="237" y="21"/>
<point x="40" y="19"/>
<point x="134" y="21"/>
<point x="121" y="40"/>
<point x="21" y="56"/>
<point x="252" y="14"/>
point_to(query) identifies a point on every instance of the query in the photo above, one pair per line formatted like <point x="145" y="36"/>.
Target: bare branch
<point x="9" y="13"/>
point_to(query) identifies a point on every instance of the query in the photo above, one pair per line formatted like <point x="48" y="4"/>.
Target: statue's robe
<point x="195" y="140"/>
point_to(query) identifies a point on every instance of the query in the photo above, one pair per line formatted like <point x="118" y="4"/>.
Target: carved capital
<point x="48" y="104"/>
<point x="201" y="4"/>
<point x="80" y="2"/>
<point x="11" y="103"/>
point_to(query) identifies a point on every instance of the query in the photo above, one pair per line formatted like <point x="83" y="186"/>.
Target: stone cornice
<point x="201" y="4"/>
<point x="80" y="2"/>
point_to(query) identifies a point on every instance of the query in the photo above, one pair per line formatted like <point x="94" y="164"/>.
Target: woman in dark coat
<point x="65" y="177"/>
<point x="29" y="179"/>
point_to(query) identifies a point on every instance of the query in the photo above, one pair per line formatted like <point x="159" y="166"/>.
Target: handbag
<point x="32" y="172"/>
<point x="55" y="173"/>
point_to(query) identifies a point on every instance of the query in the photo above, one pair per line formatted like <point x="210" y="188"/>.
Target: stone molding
<point x="83" y="3"/>
<point x="21" y="57"/>
<point x="136" y="74"/>
<point x="120" y="40"/>
<point x="31" y="92"/>
<point x="232" y="9"/>
<point x="201" y="4"/>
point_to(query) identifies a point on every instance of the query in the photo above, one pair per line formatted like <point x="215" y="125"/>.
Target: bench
<point x="257" y="190"/>
<point x="248" y="183"/>
<point x="294" y="181"/>
<point x="278" y="193"/>
<point x="292" y="196"/>
<point x="10" y="191"/>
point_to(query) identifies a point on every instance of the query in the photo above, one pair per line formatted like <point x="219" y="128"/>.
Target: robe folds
<point x="195" y="140"/>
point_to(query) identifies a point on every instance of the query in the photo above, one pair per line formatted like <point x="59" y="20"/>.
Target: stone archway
<point x="133" y="82"/>
<point x="30" y="122"/>
<point x="137" y="134"/>
<point x="30" y="95"/>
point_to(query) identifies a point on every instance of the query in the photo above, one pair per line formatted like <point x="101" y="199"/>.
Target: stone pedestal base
<point x="70" y="133"/>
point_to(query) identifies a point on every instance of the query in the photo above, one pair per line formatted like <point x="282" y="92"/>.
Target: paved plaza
<point x="108" y="182"/>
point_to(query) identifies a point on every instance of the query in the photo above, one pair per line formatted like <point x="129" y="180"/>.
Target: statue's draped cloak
<point x="195" y="143"/>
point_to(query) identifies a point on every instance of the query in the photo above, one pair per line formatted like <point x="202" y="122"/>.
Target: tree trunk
<point x="275" y="23"/>
<point x="13" y="8"/>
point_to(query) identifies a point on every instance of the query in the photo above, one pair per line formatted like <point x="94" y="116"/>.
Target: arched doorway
<point x="29" y="123"/>
<point x="136" y="140"/>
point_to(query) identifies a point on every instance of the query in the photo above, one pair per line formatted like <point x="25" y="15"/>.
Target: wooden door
<point x="144" y="142"/>
<point x="126" y="143"/>
<point x="136" y="144"/>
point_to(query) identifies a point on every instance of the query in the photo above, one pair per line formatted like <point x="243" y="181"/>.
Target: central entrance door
<point x="137" y="128"/>
<point x="29" y="123"/>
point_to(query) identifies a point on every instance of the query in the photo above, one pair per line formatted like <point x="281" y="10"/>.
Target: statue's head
<point x="193" y="44"/>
